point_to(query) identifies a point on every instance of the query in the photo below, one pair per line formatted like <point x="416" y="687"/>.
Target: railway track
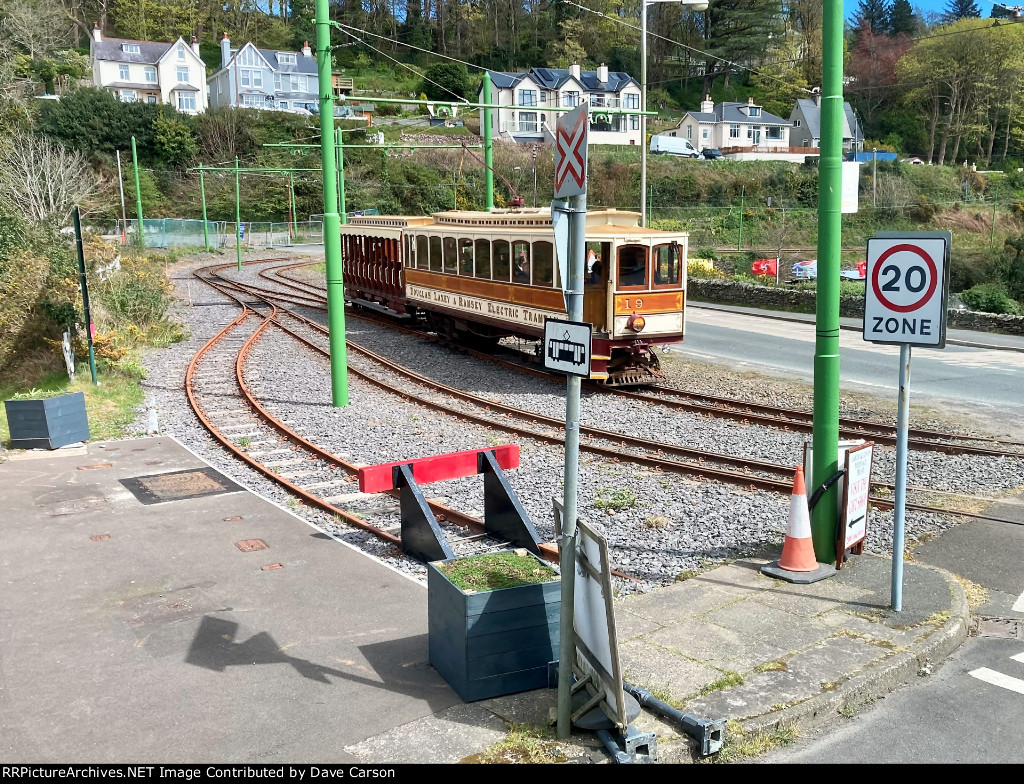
<point x="753" y="474"/>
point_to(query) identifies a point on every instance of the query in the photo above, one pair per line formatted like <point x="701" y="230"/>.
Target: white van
<point x="673" y="145"/>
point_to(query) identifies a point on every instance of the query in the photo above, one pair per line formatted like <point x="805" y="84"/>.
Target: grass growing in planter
<point x="496" y="570"/>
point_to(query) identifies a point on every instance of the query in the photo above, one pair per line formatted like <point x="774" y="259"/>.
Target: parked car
<point x="673" y="145"/>
<point x="805" y="270"/>
<point x="711" y="153"/>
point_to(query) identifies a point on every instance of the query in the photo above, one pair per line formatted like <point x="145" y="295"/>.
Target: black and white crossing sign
<point x="906" y="288"/>
<point x="567" y="346"/>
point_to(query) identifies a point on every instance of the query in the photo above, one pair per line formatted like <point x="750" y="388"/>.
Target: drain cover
<point x="985" y="626"/>
<point x="179" y="485"/>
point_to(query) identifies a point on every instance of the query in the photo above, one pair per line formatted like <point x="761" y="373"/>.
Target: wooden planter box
<point x="50" y="423"/>
<point x="491" y="643"/>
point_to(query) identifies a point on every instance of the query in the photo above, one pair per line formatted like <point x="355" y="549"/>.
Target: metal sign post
<point x="571" y="181"/>
<point x="905" y="304"/>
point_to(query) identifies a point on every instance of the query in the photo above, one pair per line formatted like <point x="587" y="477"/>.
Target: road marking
<point x="998" y="679"/>
<point x="1018" y="606"/>
<point x="1019" y="657"/>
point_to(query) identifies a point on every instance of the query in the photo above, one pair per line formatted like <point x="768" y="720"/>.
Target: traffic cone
<point x="798" y="549"/>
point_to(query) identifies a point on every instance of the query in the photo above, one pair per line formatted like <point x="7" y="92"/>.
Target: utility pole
<point x="332" y="221"/>
<point x="85" y="294"/>
<point x="202" y="198"/>
<point x="238" y="219"/>
<point x="825" y="438"/>
<point x="339" y="150"/>
<point x="535" y="176"/>
<point x="124" y="215"/>
<point x="488" y="145"/>
<point x="138" y="197"/>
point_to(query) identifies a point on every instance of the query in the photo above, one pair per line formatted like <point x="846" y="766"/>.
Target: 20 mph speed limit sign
<point x="906" y="287"/>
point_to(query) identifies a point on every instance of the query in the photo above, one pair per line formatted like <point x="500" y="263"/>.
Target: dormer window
<point x="754" y="111"/>
<point x="285" y="59"/>
<point x="181" y="51"/>
<point x="130" y="48"/>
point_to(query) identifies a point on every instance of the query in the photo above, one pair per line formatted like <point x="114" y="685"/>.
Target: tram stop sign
<point x="906" y="288"/>
<point x="567" y="346"/>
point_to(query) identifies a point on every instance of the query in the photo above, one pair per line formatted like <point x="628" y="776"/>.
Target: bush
<point x="990" y="298"/>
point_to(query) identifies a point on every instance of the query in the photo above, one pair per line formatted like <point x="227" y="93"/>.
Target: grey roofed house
<point x="553" y="78"/>
<point x="264" y="78"/>
<point x="729" y="112"/>
<point x="806" y="117"/>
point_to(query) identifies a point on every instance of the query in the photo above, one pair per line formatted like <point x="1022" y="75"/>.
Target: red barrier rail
<point x="378" y="478"/>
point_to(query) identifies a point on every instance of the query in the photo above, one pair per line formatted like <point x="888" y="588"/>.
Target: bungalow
<point x="744" y="127"/>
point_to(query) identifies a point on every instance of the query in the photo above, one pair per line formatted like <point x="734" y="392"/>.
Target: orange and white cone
<point x="798" y="549"/>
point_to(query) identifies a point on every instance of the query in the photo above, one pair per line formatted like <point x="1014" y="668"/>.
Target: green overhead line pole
<point x="340" y="154"/>
<point x="739" y="238"/>
<point x="202" y="197"/>
<point x="238" y="219"/>
<point x="291" y="190"/>
<point x="488" y="145"/>
<point x="138" y="197"/>
<point x="332" y="224"/>
<point x="825" y="437"/>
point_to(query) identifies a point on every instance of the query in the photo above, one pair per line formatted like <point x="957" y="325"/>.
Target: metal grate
<point x="179" y="485"/>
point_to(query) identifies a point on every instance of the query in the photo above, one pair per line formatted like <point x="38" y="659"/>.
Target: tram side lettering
<point x="880" y="325"/>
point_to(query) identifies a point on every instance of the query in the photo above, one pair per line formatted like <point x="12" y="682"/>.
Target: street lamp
<point x="696" y="5"/>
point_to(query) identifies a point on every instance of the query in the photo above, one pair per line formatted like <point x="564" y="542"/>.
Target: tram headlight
<point x="636" y="323"/>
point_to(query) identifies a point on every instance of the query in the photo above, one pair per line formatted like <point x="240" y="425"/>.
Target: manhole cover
<point x="251" y="545"/>
<point x="1011" y="628"/>
<point x="179" y="485"/>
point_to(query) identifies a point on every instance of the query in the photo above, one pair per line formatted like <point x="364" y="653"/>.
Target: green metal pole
<point x="992" y="230"/>
<point x="825" y="438"/>
<point x="739" y="239"/>
<point x="332" y="225"/>
<point x="202" y="197"/>
<point x="85" y="294"/>
<point x="238" y="219"/>
<point x="488" y="146"/>
<point x="138" y="197"/>
<point x="291" y="190"/>
<point x="340" y="155"/>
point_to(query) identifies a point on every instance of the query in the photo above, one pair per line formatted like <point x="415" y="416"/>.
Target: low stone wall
<point x="725" y="292"/>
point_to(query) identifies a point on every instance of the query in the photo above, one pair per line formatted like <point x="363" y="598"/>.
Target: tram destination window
<point x="451" y="256"/>
<point x="422" y="252"/>
<point x="500" y="260"/>
<point x="632" y="266"/>
<point x="666" y="264"/>
<point x="483" y="259"/>
<point x="543" y="264"/>
<point x="435" y="254"/>
<point x="466" y="257"/>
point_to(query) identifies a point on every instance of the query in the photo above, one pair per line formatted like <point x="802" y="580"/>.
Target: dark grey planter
<point x="492" y="643"/>
<point x="47" y="424"/>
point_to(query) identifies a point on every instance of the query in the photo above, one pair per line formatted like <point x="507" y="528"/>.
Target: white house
<point x="546" y="88"/>
<point x="734" y="128"/>
<point x="253" y="78"/>
<point x="806" y="119"/>
<point x="169" y="73"/>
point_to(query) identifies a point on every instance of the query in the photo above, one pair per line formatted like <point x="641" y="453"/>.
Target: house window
<point x="127" y="96"/>
<point x="130" y="48"/>
<point x="634" y="122"/>
<point x="186" y="102"/>
<point x="150" y="99"/>
<point x="277" y="82"/>
<point x="572" y="98"/>
<point x="689" y="132"/>
<point x="631" y="101"/>
<point x="527" y="97"/>
<point x="773" y="132"/>
<point x="283" y="104"/>
<point x="297" y="83"/>
<point x="251" y="77"/>
<point x="182" y="74"/>
<point x="150" y="74"/>
<point x="528" y="122"/>
<point x="286" y="59"/>
<point x="123" y="73"/>
<point x="796" y="123"/>
<point x="253" y="101"/>
<point x="543" y="96"/>
<point x="704" y="134"/>
<point x="181" y="51"/>
<point x="734" y="131"/>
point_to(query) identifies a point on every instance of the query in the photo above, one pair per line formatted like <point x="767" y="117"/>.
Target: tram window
<point x="466" y="257"/>
<point x="435" y="254"/>
<point x="666" y="264"/>
<point x="451" y="255"/>
<point x="422" y="254"/>
<point x="521" y="262"/>
<point x="410" y="251"/>
<point x="632" y="266"/>
<point x="483" y="259"/>
<point x="598" y="256"/>
<point x="543" y="264"/>
<point x="500" y="259"/>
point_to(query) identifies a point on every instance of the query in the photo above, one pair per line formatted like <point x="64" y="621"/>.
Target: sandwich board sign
<point x="906" y="288"/>
<point x="853" y="522"/>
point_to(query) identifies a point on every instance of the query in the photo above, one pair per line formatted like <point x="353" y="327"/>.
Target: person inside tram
<point x="521" y="269"/>
<point x="593" y="267"/>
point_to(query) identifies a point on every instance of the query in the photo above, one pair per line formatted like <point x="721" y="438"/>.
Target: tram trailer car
<point x="476" y="277"/>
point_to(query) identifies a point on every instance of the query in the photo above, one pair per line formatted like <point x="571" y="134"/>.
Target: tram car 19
<point x="477" y="277"/>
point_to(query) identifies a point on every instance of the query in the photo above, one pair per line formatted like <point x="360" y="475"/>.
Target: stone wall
<point x="725" y="292"/>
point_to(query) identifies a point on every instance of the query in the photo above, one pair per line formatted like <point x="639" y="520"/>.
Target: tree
<point x="961" y="9"/>
<point x="902" y="19"/>
<point x="40" y="180"/>
<point x="737" y="31"/>
<point x="35" y="26"/>
<point x="872" y="16"/>
<point x="173" y="139"/>
<point x="94" y="121"/>
<point x="445" y="81"/>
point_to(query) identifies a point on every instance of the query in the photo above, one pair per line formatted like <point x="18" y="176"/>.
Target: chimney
<point x="225" y="51"/>
<point x="97" y="36"/>
<point x="750" y="101"/>
<point x="574" y="69"/>
<point x="306" y="51"/>
<point x="707" y="106"/>
<point x="817" y="96"/>
<point x="602" y="73"/>
<point x="195" y="45"/>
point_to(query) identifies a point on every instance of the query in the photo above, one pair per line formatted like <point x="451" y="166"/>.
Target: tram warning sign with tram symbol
<point x="571" y="153"/>
<point x="567" y="346"/>
<point x="906" y="288"/>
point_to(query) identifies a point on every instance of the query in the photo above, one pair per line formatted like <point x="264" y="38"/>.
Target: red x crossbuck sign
<point x="571" y="153"/>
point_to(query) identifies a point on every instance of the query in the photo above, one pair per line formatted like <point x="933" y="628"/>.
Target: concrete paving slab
<point x="776" y="627"/>
<point x="678" y="602"/>
<point x="795" y="603"/>
<point x="661" y="670"/>
<point x="160" y="640"/>
<point x="717" y="646"/>
<point x="629" y="625"/>
<point x="925" y="591"/>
